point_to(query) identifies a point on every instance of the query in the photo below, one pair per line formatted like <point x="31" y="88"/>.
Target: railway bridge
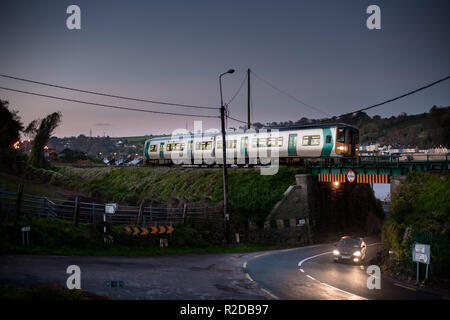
<point x="334" y="195"/>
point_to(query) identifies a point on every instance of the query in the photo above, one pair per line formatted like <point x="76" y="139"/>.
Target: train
<point x="290" y="144"/>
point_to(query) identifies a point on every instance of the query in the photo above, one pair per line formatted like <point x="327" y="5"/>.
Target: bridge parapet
<point x="398" y="165"/>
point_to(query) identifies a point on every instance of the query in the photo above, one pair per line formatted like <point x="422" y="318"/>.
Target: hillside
<point x="424" y="130"/>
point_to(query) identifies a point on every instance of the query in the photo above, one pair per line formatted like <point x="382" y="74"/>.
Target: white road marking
<point x="310" y="277"/>
<point x="405" y="287"/>
<point x="346" y="292"/>
<point x="248" y="277"/>
<point x="302" y="270"/>
<point x="309" y="258"/>
<point x="244" y="265"/>
<point x="270" y="293"/>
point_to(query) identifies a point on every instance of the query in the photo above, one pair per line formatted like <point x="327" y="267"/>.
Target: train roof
<point x="313" y="126"/>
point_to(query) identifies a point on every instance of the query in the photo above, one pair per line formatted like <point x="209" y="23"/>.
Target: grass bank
<point x="251" y="194"/>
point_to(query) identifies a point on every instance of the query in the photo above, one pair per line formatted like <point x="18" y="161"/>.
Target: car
<point x="351" y="249"/>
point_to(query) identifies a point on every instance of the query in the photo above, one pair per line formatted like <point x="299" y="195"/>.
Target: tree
<point x="42" y="135"/>
<point x="10" y="126"/>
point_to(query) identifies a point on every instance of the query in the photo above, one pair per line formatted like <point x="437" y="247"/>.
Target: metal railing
<point x="91" y="212"/>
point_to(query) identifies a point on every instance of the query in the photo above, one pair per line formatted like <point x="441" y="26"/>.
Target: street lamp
<point x="224" y="154"/>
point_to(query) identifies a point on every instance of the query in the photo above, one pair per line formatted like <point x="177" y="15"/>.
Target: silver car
<point x="350" y="249"/>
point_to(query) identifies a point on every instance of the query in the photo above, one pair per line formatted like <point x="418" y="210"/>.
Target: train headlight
<point x="357" y="253"/>
<point x="341" y="148"/>
<point x="335" y="252"/>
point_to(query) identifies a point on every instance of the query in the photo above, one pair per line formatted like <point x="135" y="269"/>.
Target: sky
<point x="319" y="51"/>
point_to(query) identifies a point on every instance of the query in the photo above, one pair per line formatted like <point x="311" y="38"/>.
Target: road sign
<point x="111" y="208"/>
<point x="421" y="253"/>
<point x="351" y="176"/>
<point x="301" y="222"/>
<point x="143" y="231"/>
<point x="25" y="234"/>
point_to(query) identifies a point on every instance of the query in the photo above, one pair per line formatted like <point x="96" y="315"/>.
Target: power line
<point x="396" y="98"/>
<point x="236" y="119"/>
<point x="289" y="95"/>
<point x="107" y="105"/>
<point x="107" y="94"/>
<point x="237" y="92"/>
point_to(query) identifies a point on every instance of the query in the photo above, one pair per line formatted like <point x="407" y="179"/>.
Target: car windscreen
<point x="349" y="243"/>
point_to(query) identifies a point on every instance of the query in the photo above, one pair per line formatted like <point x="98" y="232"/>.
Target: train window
<point x="280" y="141"/>
<point x="328" y="139"/>
<point x="340" y="135"/>
<point x="169" y="147"/>
<point x="161" y="148"/>
<point x="153" y="147"/>
<point x="198" y="146"/>
<point x="272" y="142"/>
<point x="231" y="144"/>
<point x="190" y="145"/>
<point x="219" y="144"/>
<point x="254" y="143"/>
<point x="315" y="140"/>
<point x="262" y="142"/>
<point x="206" y="145"/>
<point x="305" y="141"/>
<point x="311" y="140"/>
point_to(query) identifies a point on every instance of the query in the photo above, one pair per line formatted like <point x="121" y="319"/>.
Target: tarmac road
<point x="311" y="273"/>
<point x="298" y="273"/>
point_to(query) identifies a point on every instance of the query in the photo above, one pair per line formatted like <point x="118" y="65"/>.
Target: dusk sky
<point x="319" y="51"/>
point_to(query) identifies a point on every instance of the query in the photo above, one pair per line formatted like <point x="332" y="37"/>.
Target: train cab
<point x="347" y="141"/>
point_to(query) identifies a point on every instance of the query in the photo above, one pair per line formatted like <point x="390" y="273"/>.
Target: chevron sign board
<point x="143" y="231"/>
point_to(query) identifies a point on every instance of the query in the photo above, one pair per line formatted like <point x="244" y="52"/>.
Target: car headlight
<point x="335" y="252"/>
<point x="357" y="253"/>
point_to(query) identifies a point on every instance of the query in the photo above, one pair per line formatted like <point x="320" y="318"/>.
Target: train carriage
<point x="251" y="146"/>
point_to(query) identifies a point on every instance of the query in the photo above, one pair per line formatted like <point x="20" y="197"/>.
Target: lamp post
<point x="224" y="154"/>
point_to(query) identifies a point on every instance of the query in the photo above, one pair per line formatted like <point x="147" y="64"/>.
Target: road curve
<point x="310" y="273"/>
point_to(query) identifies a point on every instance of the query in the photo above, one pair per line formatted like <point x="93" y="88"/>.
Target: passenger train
<point x="293" y="144"/>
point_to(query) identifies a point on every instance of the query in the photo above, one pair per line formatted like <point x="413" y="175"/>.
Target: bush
<point x="420" y="212"/>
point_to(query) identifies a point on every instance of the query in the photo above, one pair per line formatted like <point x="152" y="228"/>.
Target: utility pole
<point x="224" y="154"/>
<point x="248" y="97"/>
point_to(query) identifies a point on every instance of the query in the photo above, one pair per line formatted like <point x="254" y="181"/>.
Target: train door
<point x="147" y="145"/>
<point x="189" y="149"/>
<point x="244" y="147"/>
<point x="161" y="150"/>
<point x="327" y="142"/>
<point x="292" y="144"/>
<point x="350" y="141"/>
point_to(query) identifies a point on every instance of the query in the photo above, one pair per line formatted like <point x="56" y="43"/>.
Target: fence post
<point x="3" y="200"/>
<point x="76" y="212"/>
<point x="184" y="214"/>
<point x="19" y="199"/>
<point x="44" y="205"/>
<point x="141" y="211"/>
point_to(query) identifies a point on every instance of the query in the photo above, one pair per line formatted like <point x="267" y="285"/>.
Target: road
<point x="257" y="275"/>
<point x="311" y="273"/>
